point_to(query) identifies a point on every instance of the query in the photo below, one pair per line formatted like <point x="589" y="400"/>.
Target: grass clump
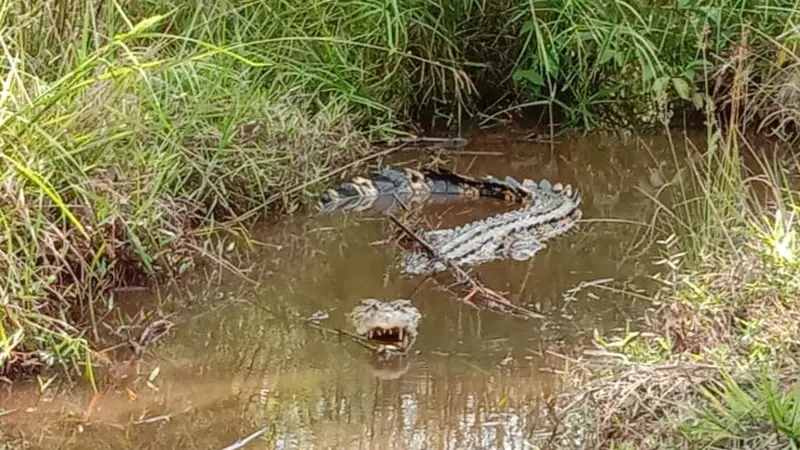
<point x="637" y="63"/>
<point x="716" y="365"/>
<point x="716" y="368"/>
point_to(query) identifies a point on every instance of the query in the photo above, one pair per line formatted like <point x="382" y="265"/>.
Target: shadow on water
<point x="474" y="379"/>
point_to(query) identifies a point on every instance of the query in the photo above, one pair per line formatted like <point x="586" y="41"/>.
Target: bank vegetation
<point x="715" y="364"/>
<point x="130" y="131"/>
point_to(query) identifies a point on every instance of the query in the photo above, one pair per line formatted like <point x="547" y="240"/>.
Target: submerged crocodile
<point x="548" y="210"/>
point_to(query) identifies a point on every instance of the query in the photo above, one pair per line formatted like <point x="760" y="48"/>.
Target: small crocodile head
<point x="392" y="325"/>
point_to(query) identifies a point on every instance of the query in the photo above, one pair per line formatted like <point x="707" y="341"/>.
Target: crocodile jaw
<point x="390" y="324"/>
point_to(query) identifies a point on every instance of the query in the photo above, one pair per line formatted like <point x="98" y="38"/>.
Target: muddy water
<point x="242" y="359"/>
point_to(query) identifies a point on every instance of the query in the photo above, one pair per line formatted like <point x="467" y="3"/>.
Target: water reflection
<point x="474" y="380"/>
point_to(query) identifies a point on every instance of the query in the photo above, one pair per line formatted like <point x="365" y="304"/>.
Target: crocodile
<point x="390" y="324"/>
<point x="548" y="210"/>
<point x="391" y="328"/>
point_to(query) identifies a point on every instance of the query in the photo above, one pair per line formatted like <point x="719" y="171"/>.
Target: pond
<point x="242" y="357"/>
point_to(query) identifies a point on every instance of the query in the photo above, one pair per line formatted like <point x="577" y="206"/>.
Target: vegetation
<point x="129" y="133"/>
<point x="717" y="366"/>
<point x="639" y="62"/>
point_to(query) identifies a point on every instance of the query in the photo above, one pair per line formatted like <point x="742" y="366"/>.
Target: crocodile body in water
<point x="548" y="210"/>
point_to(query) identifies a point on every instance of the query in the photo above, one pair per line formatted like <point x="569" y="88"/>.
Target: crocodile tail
<point x="545" y="188"/>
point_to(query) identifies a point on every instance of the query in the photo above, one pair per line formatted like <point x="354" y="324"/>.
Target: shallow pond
<point x="242" y="358"/>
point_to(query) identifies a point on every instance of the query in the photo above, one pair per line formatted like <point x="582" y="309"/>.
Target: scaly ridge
<point x="410" y="184"/>
<point x="548" y="210"/>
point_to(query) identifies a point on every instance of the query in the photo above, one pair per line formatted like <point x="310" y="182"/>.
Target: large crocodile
<point x="548" y="210"/>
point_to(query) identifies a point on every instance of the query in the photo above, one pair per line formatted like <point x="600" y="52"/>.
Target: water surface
<point x="242" y="358"/>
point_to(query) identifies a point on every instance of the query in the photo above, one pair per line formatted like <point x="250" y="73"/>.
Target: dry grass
<point x="657" y="389"/>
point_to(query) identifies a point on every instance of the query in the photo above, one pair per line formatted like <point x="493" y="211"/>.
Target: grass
<point x="116" y="162"/>
<point x="640" y="62"/>
<point x="715" y="364"/>
<point x="130" y="134"/>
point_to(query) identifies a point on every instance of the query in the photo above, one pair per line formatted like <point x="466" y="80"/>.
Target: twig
<point x="161" y="418"/>
<point x="360" y="340"/>
<point x="473" y="153"/>
<point x="416" y="142"/>
<point x="246" y="440"/>
<point x="222" y="262"/>
<point x="142" y="420"/>
<point x="463" y="277"/>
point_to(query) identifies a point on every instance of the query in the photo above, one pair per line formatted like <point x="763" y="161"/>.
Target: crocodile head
<point x="392" y="325"/>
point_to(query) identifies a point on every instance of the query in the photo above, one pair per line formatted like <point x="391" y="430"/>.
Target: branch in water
<point x="491" y="296"/>
<point x="246" y="440"/>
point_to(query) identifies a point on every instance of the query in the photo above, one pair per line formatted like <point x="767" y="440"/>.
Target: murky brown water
<point x="242" y="357"/>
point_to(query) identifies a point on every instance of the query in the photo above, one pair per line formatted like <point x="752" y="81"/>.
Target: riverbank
<point x="715" y="364"/>
<point x="131" y="135"/>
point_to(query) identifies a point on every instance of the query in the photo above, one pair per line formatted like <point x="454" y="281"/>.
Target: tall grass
<point x="638" y="62"/>
<point x="125" y="132"/>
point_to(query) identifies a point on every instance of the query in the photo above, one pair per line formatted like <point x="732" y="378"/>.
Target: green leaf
<point x="528" y="26"/>
<point x="48" y="190"/>
<point x="660" y="85"/>
<point x="648" y="71"/>
<point x="607" y="55"/>
<point x="683" y="88"/>
<point x="145" y="24"/>
<point x="619" y="57"/>
<point x="140" y="27"/>
<point x="532" y="76"/>
<point x="697" y="100"/>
